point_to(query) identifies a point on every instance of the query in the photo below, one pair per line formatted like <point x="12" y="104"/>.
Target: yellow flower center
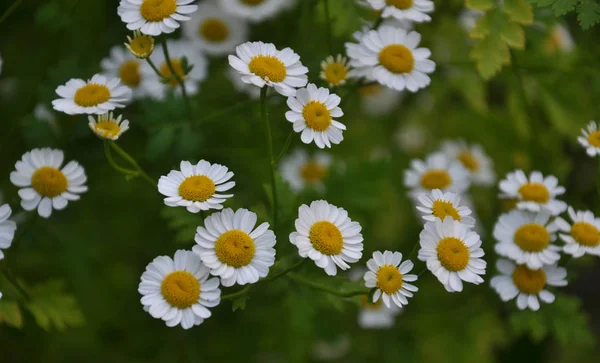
<point x="157" y="10"/>
<point x="453" y="254"/>
<point x="129" y="72"/>
<point x="335" y="73"/>
<point x="91" y="95"/>
<point x="268" y="67"/>
<point x="436" y="179"/>
<point x="235" y="248"/>
<point x="594" y="138"/>
<point x="370" y="90"/>
<point x="400" y="4"/>
<point x="253" y="2"/>
<point x="585" y="234"/>
<point x="316" y="115"/>
<point x="108" y="129"/>
<point x="312" y="172"/>
<point x="529" y="281"/>
<point x="49" y="182"/>
<point x="397" y="59"/>
<point x="443" y="209"/>
<point x="468" y="161"/>
<point x="181" y="289"/>
<point x="197" y="188"/>
<point x="534" y="192"/>
<point x="532" y="237"/>
<point x="326" y="238"/>
<point x="389" y="279"/>
<point x="214" y="30"/>
<point x="141" y="46"/>
<point x="366" y="304"/>
<point x="165" y="71"/>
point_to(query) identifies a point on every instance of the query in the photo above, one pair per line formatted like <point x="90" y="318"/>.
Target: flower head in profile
<point x="155" y="17"/>
<point x="335" y="71"/>
<point x="107" y="126"/>
<point x="301" y="170"/>
<point x="7" y="229"/>
<point x="582" y="236"/>
<point x="559" y="40"/>
<point x="590" y="139"/>
<point x="389" y="275"/>
<point x="254" y="10"/>
<point x="535" y="193"/>
<point x="141" y="46"/>
<point x="439" y="205"/>
<point x="95" y="96"/>
<point x="437" y="171"/>
<point x="413" y="10"/>
<point x="473" y="158"/>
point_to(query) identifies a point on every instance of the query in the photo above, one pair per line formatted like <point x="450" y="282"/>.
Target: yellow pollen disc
<point x="532" y="237"/>
<point x="235" y="248"/>
<point x="326" y="238"/>
<point x="268" y="67"/>
<point x="453" y="254"/>
<point x="468" y="161"/>
<point x="316" y="116"/>
<point x="435" y="179"/>
<point x="91" y="95"/>
<point x="181" y="289"/>
<point x="253" y="2"/>
<point x="129" y="72"/>
<point x="400" y="4"/>
<point x="585" y="234"/>
<point x="49" y="182"/>
<point x="397" y="59"/>
<point x="534" y="192"/>
<point x="214" y="30"/>
<point x="165" y="71"/>
<point x="509" y="204"/>
<point x="443" y="209"/>
<point x="594" y="138"/>
<point x="108" y="129"/>
<point x="529" y="281"/>
<point x="335" y="73"/>
<point x="312" y="172"/>
<point x="389" y="279"/>
<point x="157" y="10"/>
<point x="141" y="46"/>
<point x="370" y="90"/>
<point x="197" y="188"/>
<point x="365" y="303"/>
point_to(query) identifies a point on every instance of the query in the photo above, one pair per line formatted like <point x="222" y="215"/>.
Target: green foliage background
<point x="82" y="267"/>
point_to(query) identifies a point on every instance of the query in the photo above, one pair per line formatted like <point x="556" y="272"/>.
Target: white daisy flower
<point x="452" y="253"/>
<point x="155" y="17"/>
<point x="411" y="137"/>
<point x="196" y="187"/>
<point x="559" y="40"/>
<point x="590" y="139"/>
<point x="108" y="127"/>
<point x="233" y="249"/>
<point x="414" y="10"/>
<point x="215" y="31"/>
<point x="468" y="18"/>
<point x="41" y="112"/>
<point x="335" y="71"/>
<point x="44" y="185"/>
<point x="262" y="64"/>
<point x="581" y="237"/>
<point x="534" y="194"/>
<point x="301" y="171"/>
<point x="439" y="205"/>
<point x="96" y="96"/>
<point x="377" y="315"/>
<point x="326" y="235"/>
<point x="122" y="64"/>
<point x="527" y="285"/>
<point x="436" y="172"/>
<point x="527" y="238"/>
<point x="390" y="278"/>
<point x="179" y="290"/>
<point x="473" y="158"/>
<point x="312" y="111"/>
<point x="7" y="228"/>
<point x="254" y="10"/>
<point x="377" y="100"/>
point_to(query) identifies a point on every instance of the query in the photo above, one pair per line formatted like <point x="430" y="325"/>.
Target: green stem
<point x="284" y="272"/>
<point x="154" y="67"/>
<point x="269" y="140"/>
<point x="326" y="289"/>
<point x="378" y="22"/>
<point x="138" y="170"/>
<point x="14" y="281"/>
<point x="114" y="165"/>
<point x="288" y="141"/>
<point x="414" y="249"/>
<point x="10" y="10"/>
<point x="186" y="99"/>
<point x="236" y="294"/>
<point x="328" y="27"/>
<point x="422" y="272"/>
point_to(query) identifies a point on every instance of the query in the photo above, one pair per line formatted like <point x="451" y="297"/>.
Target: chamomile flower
<point x="107" y="126"/>
<point x="179" y="290"/>
<point x="473" y="158"/>
<point x="41" y="112"/>
<point x="590" y="139"/>
<point x="535" y="193"/>
<point x="526" y="238"/>
<point x="411" y="137"/>
<point x="377" y="315"/>
<point x="334" y="71"/>
<point x="468" y="18"/>
<point x="326" y="235"/>
<point x="233" y="249"/>
<point x="301" y="170"/>
<point x="390" y="278"/>
<point x="7" y="228"/>
<point x="436" y="172"/>
<point x="122" y="64"/>
<point x="215" y="31"/>
<point x="527" y="285"/>
<point x="141" y="46"/>
<point x="155" y="17"/>
<point x="312" y="111"/>
<point x="196" y="187"/>
<point x="414" y="10"/>
<point x="262" y="64"/>
<point x="452" y="253"/>
<point x="249" y="89"/>
<point x="254" y="10"/>
<point x="581" y="237"/>
<point x="439" y="205"/>
<point x="559" y="40"/>
<point x="95" y="96"/>
<point x="44" y="185"/>
<point x="378" y="100"/>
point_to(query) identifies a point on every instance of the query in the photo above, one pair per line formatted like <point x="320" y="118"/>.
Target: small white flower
<point x="526" y="238"/>
<point x="254" y="10"/>
<point x="526" y="284"/>
<point x="179" y="290"/>
<point x="583" y="236"/>
<point x="436" y="172"/>
<point x="414" y="10"/>
<point x="233" y="249"/>
<point x="590" y="139"/>
<point x="334" y="71"/>
<point x="302" y="171"/>
<point x="534" y="194"/>
<point x="155" y="17"/>
<point x="378" y="100"/>
<point x="326" y="235"/>
<point x="473" y="158"/>
<point x="96" y="96"/>
<point x="312" y="111"/>
<point x="411" y="137"/>
<point x="108" y="127"/>
<point x="122" y="64"/>
<point x="559" y="39"/>
<point x="439" y="205"/>
<point x="468" y="18"/>
<point x="452" y="253"/>
<point x="196" y="187"/>
<point x="41" y="112"/>
<point x="7" y="229"/>
<point x="390" y="277"/>
<point x="43" y="184"/>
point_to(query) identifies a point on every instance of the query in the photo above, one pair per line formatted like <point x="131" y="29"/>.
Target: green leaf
<point x="239" y="303"/>
<point x="562" y="7"/>
<point x="519" y="11"/>
<point x="51" y="307"/>
<point x="490" y="55"/>
<point x="482" y="5"/>
<point x="482" y="27"/>
<point x="513" y="35"/>
<point x="10" y="313"/>
<point x="182" y="222"/>
<point x="588" y="13"/>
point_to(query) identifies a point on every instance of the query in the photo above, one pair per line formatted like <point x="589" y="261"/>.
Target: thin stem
<point x="288" y="141"/>
<point x="178" y="77"/>
<point x="326" y="289"/>
<point x="132" y="162"/>
<point x="328" y="27"/>
<point x="114" y="165"/>
<point x="285" y="271"/>
<point x="236" y="294"/>
<point x="378" y="21"/>
<point x="422" y="272"/>
<point x="154" y="67"/>
<point x="414" y="249"/>
<point x="269" y="140"/>
<point x="14" y="281"/>
<point x="10" y="10"/>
